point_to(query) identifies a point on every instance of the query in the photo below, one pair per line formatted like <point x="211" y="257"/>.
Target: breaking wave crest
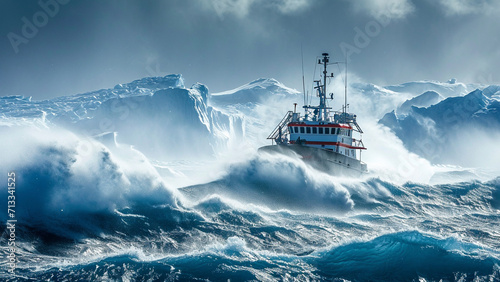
<point x="407" y="256"/>
<point x="74" y="187"/>
<point x="99" y="210"/>
<point x="403" y="256"/>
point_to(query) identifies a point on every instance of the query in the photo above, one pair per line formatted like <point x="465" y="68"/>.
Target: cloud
<point x="241" y="8"/>
<point x="464" y="7"/>
<point x="385" y="9"/>
<point x="291" y="6"/>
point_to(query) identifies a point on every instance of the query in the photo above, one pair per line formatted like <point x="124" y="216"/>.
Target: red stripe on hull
<point x="331" y="144"/>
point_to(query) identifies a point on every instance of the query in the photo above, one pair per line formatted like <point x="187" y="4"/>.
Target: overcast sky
<point x="59" y="47"/>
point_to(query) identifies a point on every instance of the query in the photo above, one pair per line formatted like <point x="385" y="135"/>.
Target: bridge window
<point x="296" y="129"/>
<point x="315" y="130"/>
<point x="327" y="130"/>
<point x="308" y="130"/>
<point x="301" y="129"/>
<point x="320" y="130"/>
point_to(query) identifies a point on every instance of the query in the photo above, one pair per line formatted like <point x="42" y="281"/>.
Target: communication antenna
<point x="303" y="83"/>
<point x="345" y="81"/>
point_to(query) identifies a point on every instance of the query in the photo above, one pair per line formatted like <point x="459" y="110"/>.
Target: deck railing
<point x="281" y="130"/>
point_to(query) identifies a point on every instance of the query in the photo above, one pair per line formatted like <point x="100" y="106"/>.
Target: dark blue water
<point x="264" y="220"/>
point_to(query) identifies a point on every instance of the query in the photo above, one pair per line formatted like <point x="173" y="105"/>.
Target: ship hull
<point x="321" y="159"/>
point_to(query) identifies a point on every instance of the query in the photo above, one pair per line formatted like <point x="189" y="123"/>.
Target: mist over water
<point x="95" y="207"/>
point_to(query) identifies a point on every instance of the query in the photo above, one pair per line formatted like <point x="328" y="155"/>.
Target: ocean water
<point x="96" y="209"/>
<point x="269" y="218"/>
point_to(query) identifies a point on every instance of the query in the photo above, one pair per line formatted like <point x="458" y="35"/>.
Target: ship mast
<point x="322" y="104"/>
<point x="323" y="110"/>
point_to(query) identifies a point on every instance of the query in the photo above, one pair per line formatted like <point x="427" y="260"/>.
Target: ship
<point x="321" y="137"/>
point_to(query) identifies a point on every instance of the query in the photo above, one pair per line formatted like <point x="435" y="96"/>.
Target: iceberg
<point x="256" y="91"/>
<point x="446" y="132"/>
<point x="158" y="115"/>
